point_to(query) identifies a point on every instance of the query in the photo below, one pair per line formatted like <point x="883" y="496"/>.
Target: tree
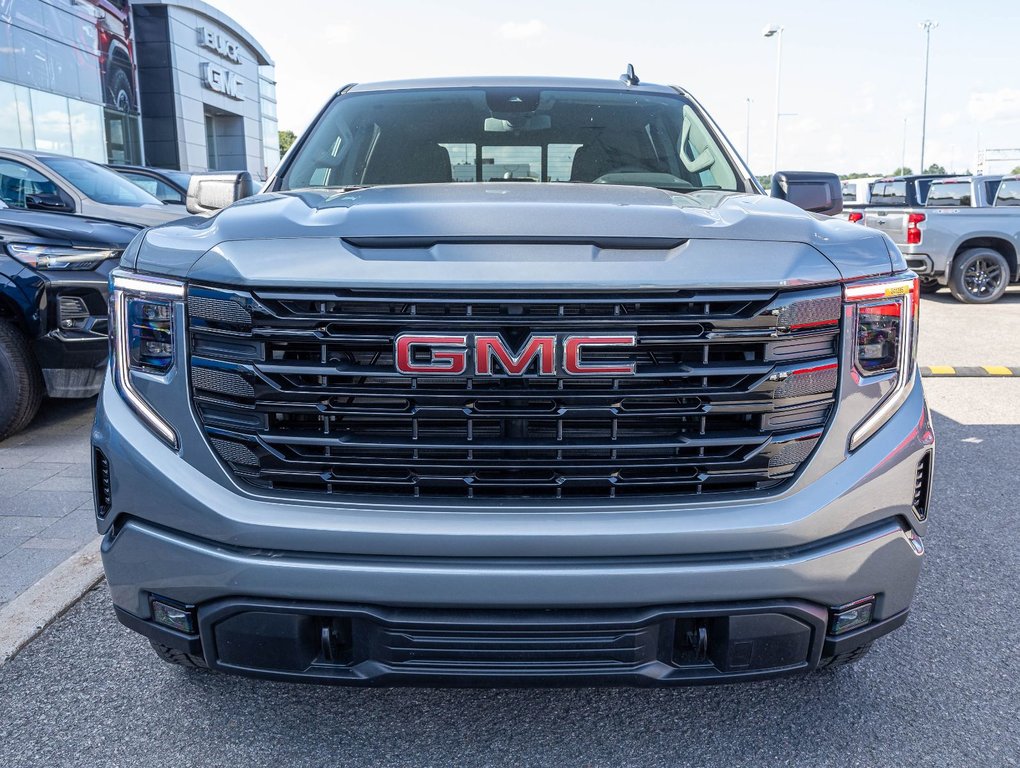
<point x="935" y="168"/>
<point x="286" y="139"/>
<point x="1015" y="171"/>
<point x="903" y="171"/>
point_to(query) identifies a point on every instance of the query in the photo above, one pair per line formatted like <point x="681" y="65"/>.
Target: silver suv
<point x="600" y="412"/>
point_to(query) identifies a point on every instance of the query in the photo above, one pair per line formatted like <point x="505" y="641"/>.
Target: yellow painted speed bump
<point x="968" y="371"/>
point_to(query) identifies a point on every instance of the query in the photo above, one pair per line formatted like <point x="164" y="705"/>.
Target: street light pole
<point x="903" y="153"/>
<point x="747" y="135"/>
<point x="927" y="25"/>
<point x="769" y="31"/>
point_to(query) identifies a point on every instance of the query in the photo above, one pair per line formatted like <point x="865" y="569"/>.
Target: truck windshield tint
<point x="954" y="194"/>
<point x="511" y="134"/>
<point x="1009" y="193"/>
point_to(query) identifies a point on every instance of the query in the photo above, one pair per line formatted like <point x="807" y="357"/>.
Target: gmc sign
<point x="545" y="355"/>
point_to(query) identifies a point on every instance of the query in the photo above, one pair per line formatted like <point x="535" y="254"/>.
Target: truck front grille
<point x="297" y="392"/>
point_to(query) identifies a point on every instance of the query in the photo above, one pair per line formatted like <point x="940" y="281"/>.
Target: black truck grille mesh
<point x="298" y="393"/>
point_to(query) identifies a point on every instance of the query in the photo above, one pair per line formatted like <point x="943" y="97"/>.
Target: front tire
<point x="979" y="276"/>
<point x="178" y="658"/>
<point x="20" y="381"/>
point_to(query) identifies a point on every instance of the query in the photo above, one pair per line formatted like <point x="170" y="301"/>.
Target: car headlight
<point x="56" y="257"/>
<point x="885" y="342"/>
<point x="142" y="340"/>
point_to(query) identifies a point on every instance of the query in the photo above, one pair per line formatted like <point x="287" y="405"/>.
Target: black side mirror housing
<point x="46" y="202"/>
<point x="813" y="191"/>
<point x="210" y="192"/>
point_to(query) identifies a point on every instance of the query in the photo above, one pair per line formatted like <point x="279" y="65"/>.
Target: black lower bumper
<point x="71" y="367"/>
<point x="374" y="646"/>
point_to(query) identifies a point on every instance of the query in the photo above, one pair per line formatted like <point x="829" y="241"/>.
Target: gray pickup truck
<point x="966" y="236"/>
<point x="601" y="412"/>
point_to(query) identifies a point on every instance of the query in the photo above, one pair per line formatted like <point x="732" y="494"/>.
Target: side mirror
<point x="812" y="191"/>
<point x="210" y="192"/>
<point x="47" y="203"/>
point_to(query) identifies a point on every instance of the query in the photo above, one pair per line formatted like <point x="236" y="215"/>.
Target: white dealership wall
<point x="207" y="89"/>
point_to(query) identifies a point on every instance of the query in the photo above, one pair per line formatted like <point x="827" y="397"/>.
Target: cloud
<point x="522" y="30"/>
<point x="1003" y="104"/>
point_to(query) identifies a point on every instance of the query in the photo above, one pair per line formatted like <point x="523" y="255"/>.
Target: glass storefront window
<point x="123" y="142"/>
<point x="24" y="98"/>
<point x="87" y="131"/>
<point x="10" y="129"/>
<point x="52" y="123"/>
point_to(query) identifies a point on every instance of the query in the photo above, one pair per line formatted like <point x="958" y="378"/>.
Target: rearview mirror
<point x="210" y="192"/>
<point x="47" y="203"/>
<point x="814" y="192"/>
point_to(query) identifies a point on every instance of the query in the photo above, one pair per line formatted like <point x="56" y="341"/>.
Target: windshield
<point x="98" y="183"/>
<point x="180" y="178"/>
<point x="511" y="134"/>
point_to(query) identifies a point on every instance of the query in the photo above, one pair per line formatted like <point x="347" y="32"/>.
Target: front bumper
<point x="372" y="645"/>
<point x="72" y="360"/>
<point x="779" y="561"/>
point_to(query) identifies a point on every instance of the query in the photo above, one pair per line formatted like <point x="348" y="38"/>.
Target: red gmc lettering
<point x="541" y="347"/>
<point x="448" y="355"/>
<point x="573" y="349"/>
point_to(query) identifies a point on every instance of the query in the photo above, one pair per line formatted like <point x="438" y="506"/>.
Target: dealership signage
<point x="220" y="43"/>
<point x="217" y="78"/>
<point x="221" y="80"/>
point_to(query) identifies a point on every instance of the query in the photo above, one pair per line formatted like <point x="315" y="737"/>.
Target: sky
<point x="851" y="79"/>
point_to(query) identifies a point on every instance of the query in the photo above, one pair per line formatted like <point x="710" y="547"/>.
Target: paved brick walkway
<point x="45" y="494"/>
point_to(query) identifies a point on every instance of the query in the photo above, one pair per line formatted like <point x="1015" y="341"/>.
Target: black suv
<point x="54" y="270"/>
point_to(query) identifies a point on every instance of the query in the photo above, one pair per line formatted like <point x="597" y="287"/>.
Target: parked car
<point x="168" y="186"/>
<point x="61" y="184"/>
<point x="54" y="271"/>
<point x="966" y="236"/>
<point x="630" y="422"/>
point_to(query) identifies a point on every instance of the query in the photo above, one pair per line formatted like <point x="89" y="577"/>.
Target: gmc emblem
<point x="442" y="355"/>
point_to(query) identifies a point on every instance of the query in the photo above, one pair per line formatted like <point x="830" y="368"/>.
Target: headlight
<point x="142" y="341"/>
<point x="52" y="257"/>
<point x="885" y="340"/>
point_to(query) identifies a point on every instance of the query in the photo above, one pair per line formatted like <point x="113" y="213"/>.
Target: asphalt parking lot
<point x="944" y="691"/>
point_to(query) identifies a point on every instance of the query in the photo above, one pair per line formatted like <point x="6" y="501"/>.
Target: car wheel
<point x="120" y="90"/>
<point x="843" y="659"/>
<point x="179" y="658"/>
<point x="20" y="377"/>
<point x="929" y="284"/>
<point x="979" y="276"/>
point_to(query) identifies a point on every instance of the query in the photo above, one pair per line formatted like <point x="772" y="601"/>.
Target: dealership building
<point x="166" y="83"/>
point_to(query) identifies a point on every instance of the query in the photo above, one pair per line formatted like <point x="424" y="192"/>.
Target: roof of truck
<point x="512" y="82"/>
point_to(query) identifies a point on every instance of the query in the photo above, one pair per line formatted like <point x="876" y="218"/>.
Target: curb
<point x="935" y="371"/>
<point x="22" y="619"/>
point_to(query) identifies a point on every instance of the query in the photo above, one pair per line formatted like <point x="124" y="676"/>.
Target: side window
<point x="17" y="181"/>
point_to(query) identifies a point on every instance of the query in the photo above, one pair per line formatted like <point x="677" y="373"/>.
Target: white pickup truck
<point x="966" y="236"/>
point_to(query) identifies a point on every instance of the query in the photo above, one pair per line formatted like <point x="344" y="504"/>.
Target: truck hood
<point x="513" y="234"/>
